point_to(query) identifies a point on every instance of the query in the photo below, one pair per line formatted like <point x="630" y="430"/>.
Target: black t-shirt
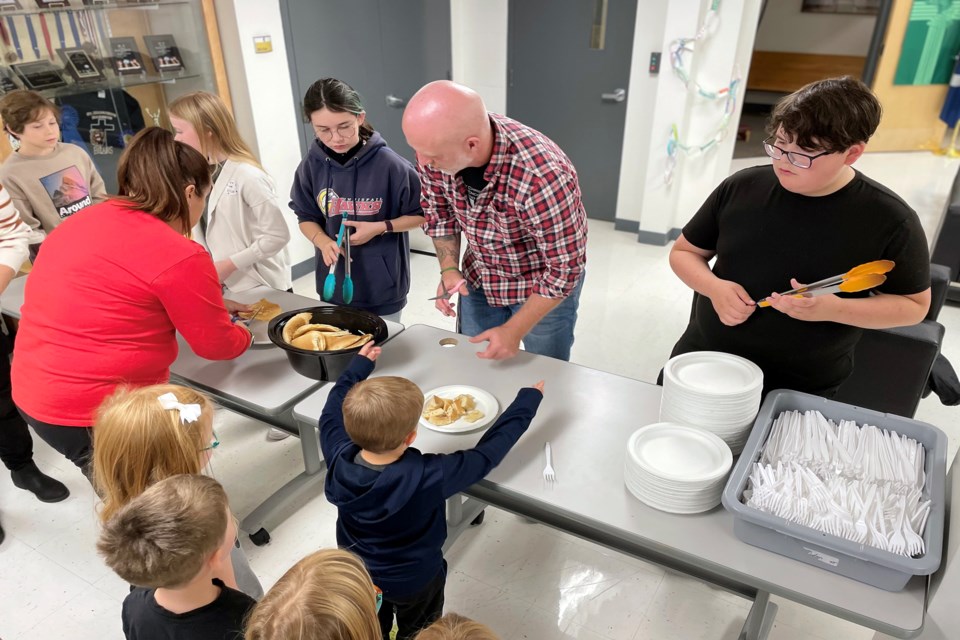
<point x="473" y="179"/>
<point x="763" y="235"/>
<point x="222" y="619"/>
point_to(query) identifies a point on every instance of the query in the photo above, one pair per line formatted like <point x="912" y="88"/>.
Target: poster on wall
<point x="930" y="43"/>
<point x="862" y="7"/>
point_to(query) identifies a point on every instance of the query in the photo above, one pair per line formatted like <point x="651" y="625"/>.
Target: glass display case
<point x="112" y="67"/>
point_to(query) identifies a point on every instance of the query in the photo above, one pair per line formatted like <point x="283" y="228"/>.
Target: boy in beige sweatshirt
<point x="48" y="180"/>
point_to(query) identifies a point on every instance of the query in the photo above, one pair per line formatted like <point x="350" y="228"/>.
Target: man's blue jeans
<point x="552" y="336"/>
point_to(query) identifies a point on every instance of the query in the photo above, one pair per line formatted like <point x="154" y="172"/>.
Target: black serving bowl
<point x="327" y="365"/>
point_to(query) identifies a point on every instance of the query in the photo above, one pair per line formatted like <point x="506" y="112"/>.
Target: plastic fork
<point x="549" y="475"/>
<point x="915" y="544"/>
<point x="898" y="543"/>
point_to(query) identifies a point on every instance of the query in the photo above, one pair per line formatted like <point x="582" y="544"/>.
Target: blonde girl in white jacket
<point x="243" y="226"/>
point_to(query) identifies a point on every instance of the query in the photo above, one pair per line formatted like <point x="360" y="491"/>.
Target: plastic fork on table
<point x="549" y="475"/>
<point x="451" y="291"/>
<point x="860" y="278"/>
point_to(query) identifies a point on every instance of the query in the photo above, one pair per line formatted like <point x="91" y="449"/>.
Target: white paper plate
<point x="678" y="452"/>
<point x="713" y="373"/>
<point x="259" y="330"/>
<point x="485" y="402"/>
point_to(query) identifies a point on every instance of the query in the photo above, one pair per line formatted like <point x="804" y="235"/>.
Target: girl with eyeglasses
<point x="144" y="435"/>
<point x="351" y="178"/>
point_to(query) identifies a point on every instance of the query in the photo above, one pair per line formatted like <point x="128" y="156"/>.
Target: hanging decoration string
<point x="680" y="49"/>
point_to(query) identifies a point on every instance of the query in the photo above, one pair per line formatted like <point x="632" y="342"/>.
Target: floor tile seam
<point x="74" y="573"/>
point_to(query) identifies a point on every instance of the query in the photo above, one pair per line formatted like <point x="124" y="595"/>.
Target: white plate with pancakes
<point x="483" y="402"/>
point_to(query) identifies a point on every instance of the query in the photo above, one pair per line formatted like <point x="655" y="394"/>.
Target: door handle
<point x="395" y="102"/>
<point x="618" y="95"/>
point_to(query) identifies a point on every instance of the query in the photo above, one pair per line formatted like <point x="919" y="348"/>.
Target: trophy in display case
<point x="39" y="75"/>
<point x="125" y="57"/>
<point x="80" y="65"/>
<point x="164" y="53"/>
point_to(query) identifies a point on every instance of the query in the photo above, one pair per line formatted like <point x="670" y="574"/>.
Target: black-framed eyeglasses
<point x="801" y="160"/>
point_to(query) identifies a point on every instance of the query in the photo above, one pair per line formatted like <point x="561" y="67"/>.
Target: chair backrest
<point x="946" y="240"/>
<point x="939" y="286"/>
<point x="891" y="368"/>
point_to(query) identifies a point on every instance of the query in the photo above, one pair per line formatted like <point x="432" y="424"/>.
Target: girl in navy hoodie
<point x="351" y="177"/>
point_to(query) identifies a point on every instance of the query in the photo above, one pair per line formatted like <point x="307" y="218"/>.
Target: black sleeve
<point x="908" y="248"/>
<point x="703" y="229"/>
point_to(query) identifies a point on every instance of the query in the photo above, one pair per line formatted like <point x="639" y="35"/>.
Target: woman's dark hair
<point x="155" y="170"/>
<point x="337" y="96"/>
<point x="832" y="115"/>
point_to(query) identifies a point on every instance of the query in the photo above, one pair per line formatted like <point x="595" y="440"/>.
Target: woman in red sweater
<point x="111" y="289"/>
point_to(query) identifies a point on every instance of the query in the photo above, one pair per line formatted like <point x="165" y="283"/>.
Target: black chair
<point x="946" y="242"/>
<point x="891" y="366"/>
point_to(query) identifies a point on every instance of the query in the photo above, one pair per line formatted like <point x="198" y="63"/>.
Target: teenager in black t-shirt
<point x="807" y="217"/>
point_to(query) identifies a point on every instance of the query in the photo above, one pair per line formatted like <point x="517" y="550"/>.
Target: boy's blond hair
<point x="453" y="626"/>
<point x="161" y="538"/>
<point x="326" y="596"/>
<point x="378" y="413"/>
<point x="137" y="442"/>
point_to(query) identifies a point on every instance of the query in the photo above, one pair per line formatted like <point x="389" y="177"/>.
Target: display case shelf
<point x="103" y="100"/>
<point x="76" y="5"/>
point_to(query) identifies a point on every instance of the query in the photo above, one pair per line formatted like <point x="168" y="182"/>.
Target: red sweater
<point x="109" y="291"/>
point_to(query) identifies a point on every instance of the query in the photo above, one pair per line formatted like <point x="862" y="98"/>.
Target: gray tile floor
<point x="523" y="579"/>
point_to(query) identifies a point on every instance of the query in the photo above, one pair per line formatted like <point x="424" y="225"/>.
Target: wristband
<point x="389" y="226"/>
<point x="443" y="271"/>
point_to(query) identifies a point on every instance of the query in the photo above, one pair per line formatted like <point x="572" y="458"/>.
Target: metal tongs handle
<point x="858" y="277"/>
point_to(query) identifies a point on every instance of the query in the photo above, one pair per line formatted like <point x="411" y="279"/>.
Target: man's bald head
<point x="448" y="126"/>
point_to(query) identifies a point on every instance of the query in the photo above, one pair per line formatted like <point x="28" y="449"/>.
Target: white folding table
<point x="587" y="416"/>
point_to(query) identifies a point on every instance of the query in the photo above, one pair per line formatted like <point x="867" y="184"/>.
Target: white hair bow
<point x="188" y="412"/>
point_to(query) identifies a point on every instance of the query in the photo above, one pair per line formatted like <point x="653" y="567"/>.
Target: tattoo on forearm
<point x="447" y="247"/>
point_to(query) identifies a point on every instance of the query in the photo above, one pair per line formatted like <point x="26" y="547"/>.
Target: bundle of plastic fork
<point x="862" y="511"/>
<point x="845" y="449"/>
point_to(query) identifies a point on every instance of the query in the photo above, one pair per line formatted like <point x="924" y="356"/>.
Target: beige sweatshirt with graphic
<point x="48" y="189"/>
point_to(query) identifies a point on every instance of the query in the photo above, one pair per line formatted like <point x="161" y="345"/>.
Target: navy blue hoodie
<point x="395" y="519"/>
<point x="375" y="184"/>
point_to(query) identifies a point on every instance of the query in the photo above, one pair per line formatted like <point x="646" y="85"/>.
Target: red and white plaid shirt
<point x="527" y="231"/>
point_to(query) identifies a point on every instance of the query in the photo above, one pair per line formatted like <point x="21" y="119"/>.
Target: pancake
<point x="323" y="328"/>
<point x="295" y="323"/>
<point x="263" y="310"/>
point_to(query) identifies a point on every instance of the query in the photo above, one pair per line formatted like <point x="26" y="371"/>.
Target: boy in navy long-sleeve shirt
<point x="390" y="497"/>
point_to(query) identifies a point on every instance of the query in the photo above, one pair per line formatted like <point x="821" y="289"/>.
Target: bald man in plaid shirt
<point x="515" y="197"/>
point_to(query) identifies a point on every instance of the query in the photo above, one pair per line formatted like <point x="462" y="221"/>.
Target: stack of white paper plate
<point x="677" y="468"/>
<point x="715" y="391"/>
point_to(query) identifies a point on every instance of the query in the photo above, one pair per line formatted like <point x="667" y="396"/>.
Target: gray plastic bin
<point x="863" y="563"/>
